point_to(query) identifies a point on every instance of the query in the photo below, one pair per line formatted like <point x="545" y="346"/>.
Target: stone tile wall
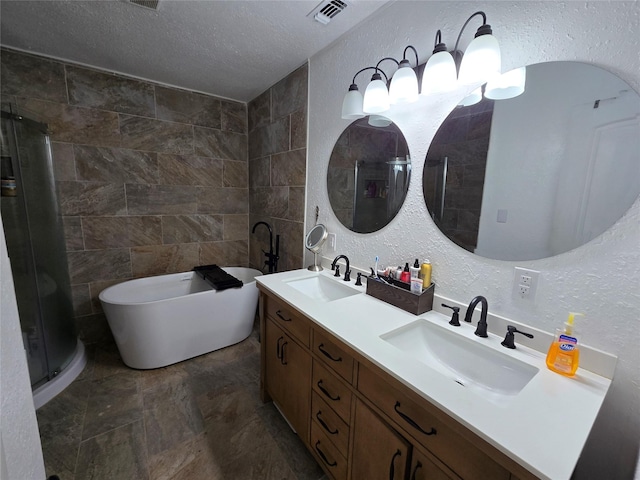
<point x="151" y="179"/>
<point x="277" y="168"/>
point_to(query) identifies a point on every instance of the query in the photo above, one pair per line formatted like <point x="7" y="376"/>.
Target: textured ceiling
<point x="234" y="49"/>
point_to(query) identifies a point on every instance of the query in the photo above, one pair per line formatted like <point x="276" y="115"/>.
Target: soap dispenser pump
<point x="564" y="355"/>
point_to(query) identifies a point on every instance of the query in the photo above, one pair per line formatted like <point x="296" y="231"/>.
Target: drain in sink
<point x="459" y="382"/>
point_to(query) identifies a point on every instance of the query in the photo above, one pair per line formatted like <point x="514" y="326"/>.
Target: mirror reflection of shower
<point x="379" y="187"/>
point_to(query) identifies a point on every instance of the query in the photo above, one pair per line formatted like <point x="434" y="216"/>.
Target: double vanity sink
<point x="459" y="356"/>
<point x="506" y="397"/>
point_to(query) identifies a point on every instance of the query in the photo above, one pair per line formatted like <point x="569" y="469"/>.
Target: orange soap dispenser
<point x="564" y="355"/>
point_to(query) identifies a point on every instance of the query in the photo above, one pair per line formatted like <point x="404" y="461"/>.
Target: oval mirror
<point x="368" y="174"/>
<point x="314" y="241"/>
<point x="540" y="174"/>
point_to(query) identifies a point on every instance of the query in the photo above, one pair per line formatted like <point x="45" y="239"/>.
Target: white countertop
<point x="543" y="427"/>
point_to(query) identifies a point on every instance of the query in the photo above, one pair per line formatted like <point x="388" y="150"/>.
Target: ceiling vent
<point x="150" y="4"/>
<point x="327" y="10"/>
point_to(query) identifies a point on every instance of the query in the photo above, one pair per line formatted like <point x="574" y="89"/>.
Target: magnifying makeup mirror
<point x="314" y="241"/>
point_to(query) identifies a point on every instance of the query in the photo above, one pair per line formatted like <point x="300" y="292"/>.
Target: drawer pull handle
<point x="415" y="471"/>
<point x="278" y="347"/>
<point x="279" y="314"/>
<point x="325" y="426"/>
<point x="282" y="360"/>
<point x="326" y="460"/>
<point x="392" y="470"/>
<point x="411" y="422"/>
<point x="324" y="390"/>
<point x="327" y="354"/>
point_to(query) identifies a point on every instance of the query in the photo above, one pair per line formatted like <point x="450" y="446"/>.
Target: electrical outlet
<point x="525" y="284"/>
<point x="331" y="240"/>
<point x="523" y="290"/>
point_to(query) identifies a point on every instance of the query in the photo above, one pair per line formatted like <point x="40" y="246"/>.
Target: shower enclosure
<point x="380" y="188"/>
<point x="35" y="243"/>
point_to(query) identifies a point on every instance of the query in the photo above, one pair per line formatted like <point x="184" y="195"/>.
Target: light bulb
<point x="352" y="104"/>
<point x="481" y="61"/>
<point x="404" y="85"/>
<point x="439" y="74"/>
<point x="376" y="96"/>
<point x="507" y="85"/>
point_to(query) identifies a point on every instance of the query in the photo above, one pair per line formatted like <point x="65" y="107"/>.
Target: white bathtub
<point x="158" y="321"/>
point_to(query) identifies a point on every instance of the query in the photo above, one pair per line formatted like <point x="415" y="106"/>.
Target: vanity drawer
<point x="336" y="430"/>
<point x="416" y="417"/>
<point x="327" y="453"/>
<point x="287" y="318"/>
<point x="332" y="390"/>
<point x="334" y="356"/>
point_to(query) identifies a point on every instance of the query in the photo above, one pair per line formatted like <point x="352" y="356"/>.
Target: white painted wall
<point x="601" y="278"/>
<point x="19" y="438"/>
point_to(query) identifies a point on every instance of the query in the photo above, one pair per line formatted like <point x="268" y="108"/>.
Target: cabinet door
<point x="378" y="451"/>
<point x="422" y="468"/>
<point x="288" y="378"/>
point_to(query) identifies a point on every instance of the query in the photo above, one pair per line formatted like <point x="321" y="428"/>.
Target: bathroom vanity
<point x="342" y="368"/>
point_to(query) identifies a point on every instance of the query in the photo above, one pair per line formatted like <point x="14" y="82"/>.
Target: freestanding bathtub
<point x="158" y="321"/>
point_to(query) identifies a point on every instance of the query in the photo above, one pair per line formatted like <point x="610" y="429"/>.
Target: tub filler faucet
<point x="272" y="258"/>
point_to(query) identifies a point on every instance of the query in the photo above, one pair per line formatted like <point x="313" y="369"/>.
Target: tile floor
<point x="198" y="419"/>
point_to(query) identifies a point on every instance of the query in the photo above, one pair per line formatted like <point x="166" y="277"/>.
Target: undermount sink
<point x="497" y="376"/>
<point x="322" y="288"/>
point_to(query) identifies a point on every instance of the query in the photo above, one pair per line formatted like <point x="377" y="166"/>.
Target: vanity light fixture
<point x="376" y="96"/>
<point x="481" y="61"/>
<point x="379" y="121"/>
<point x="404" y="83"/>
<point x="508" y="85"/>
<point x="440" y="72"/>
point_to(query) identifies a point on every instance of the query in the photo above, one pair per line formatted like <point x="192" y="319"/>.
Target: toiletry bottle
<point x="425" y="271"/>
<point x="415" y="270"/>
<point x="564" y="355"/>
<point x="406" y="274"/>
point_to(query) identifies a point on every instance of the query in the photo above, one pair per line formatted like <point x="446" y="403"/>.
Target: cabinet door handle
<point x="326" y="427"/>
<point x="279" y="314"/>
<point x="326" y="460"/>
<point x="411" y="422"/>
<point x="282" y="360"/>
<point x="327" y="354"/>
<point x="392" y="469"/>
<point x="324" y="390"/>
<point x="415" y="471"/>
<point x="278" y="347"/>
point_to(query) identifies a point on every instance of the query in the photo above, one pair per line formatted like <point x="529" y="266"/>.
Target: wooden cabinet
<point x="378" y="451"/>
<point x="358" y="421"/>
<point x="288" y="370"/>
<point x="424" y="468"/>
<point x="428" y="427"/>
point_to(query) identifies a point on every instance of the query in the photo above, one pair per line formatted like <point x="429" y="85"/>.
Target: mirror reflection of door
<point x="542" y="173"/>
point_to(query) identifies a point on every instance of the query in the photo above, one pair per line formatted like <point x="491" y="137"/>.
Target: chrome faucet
<point x="347" y="273"/>
<point x="272" y="258"/>
<point x="481" y="330"/>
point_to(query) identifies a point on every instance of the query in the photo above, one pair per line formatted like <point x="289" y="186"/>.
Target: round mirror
<point x="316" y="238"/>
<point x="540" y="174"/>
<point x="368" y="174"/>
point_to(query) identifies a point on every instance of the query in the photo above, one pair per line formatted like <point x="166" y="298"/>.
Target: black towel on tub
<point x="217" y="277"/>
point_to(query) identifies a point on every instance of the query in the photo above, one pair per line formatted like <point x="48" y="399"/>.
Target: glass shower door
<point x="35" y="243"/>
